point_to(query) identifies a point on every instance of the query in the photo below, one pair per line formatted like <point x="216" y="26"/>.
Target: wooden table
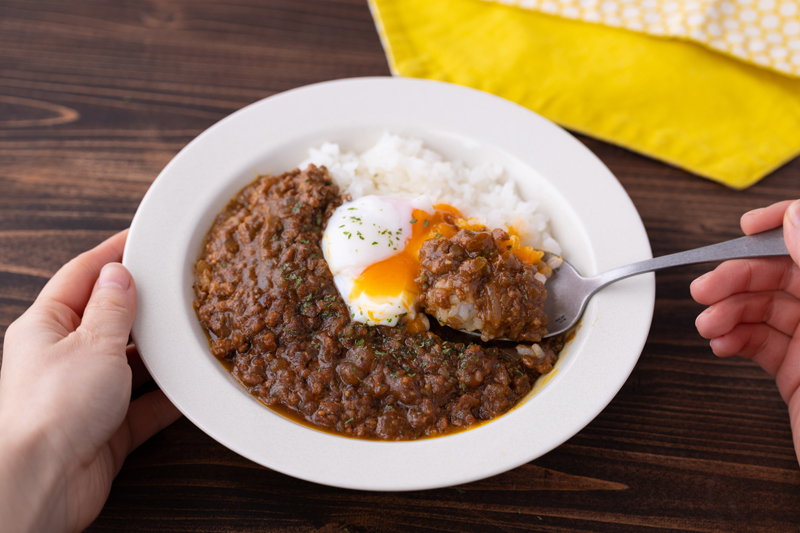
<point x="96" y="97"/>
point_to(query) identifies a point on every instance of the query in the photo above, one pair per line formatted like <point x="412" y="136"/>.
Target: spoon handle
<point x="766" y="244"/>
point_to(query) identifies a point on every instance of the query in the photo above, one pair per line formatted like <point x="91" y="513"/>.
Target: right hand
<point x="755" y="306"/>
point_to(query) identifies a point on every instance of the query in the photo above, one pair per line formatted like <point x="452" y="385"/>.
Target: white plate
<point x="593" y="219"/>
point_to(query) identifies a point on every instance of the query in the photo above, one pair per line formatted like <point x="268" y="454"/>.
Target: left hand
<point x="65" y="388"/>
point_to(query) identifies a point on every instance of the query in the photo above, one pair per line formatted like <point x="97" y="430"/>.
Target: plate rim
<point x="147" y="316"/>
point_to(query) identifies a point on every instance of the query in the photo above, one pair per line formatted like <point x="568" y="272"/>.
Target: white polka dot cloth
<point x="762" y="32"/>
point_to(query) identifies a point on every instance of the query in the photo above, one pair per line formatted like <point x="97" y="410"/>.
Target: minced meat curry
<point x="267" y="300"/>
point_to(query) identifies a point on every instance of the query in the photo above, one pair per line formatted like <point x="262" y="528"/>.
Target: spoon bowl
<point x="568" y="293"/>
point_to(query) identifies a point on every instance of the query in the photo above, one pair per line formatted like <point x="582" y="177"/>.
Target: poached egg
<point x="372" y="246"/>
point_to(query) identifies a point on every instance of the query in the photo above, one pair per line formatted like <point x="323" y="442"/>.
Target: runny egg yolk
<point x="395" y="275"/>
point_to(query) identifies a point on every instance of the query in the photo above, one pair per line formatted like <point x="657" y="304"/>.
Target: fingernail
<point x="794" y="213"/>
<point x="753" y="212"/>
<point x="701" y="277"/>
<point x="713" y="342"/>
<point x="114" y="274"/>
<point x="706" y="311"/>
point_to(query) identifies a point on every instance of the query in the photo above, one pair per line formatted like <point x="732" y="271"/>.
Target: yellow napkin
<point x="672" y="100"/>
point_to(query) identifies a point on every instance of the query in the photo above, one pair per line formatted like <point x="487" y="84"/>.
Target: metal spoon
<point x="568" y="292"/>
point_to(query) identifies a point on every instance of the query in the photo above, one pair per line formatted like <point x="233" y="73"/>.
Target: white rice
<point x="403" y="167"/>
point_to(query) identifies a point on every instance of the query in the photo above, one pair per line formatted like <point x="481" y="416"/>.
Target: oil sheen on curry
<point x="331" y="311"/>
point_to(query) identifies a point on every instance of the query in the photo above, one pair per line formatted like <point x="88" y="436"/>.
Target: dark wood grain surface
<point x="97" y="96"/>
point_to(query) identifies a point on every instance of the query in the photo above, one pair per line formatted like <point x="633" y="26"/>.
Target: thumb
<point x="109" y="314"/>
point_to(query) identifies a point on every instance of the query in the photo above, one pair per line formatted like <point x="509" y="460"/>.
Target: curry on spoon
<point x="568" y="292"/>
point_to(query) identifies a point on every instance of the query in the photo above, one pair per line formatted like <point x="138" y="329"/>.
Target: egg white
<point x="363" y="232"/>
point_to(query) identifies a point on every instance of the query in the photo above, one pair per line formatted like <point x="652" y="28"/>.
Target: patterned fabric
<point x="762" y="32"/>
<point x="669" y="99"/>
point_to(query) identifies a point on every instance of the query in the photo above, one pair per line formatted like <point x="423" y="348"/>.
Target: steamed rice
<point x="403" y="167"/>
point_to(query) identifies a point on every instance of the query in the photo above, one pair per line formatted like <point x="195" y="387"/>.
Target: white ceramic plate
<point x="592" y="217"/>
